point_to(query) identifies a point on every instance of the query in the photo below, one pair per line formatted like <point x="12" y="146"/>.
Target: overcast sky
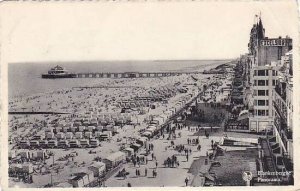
<point x="93" y="31"/>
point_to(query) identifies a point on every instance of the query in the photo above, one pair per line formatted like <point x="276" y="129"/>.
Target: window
<point x="261" y="102"/>
<point x="255" y="72"/>
<point x="261" y="112"/>
<point x="255" y="82"/>
<point x="261" y="82"/>
<point x="255" y="102"/>
<point x="261" y="72"/>
<point x="273" y="83"/>
<point x="261" y="92"/>
<point x="267" y="72"/>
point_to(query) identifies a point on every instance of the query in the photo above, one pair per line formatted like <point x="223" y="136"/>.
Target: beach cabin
<point x="81" y="128"/>
<point x="88" y="135"/>
<point x="52" y="143"/>
<point x="49" y="129"/>
<point x="98" y="134"/>
<point x="69" y="135"/>
<point x="63" y="144"/>
<point x="38" y="137"/>
<point x="78" y="135"/>
<point x="105" y="135"/>
<point x="43" y="143"/>
<point x="84" y="143"/>
<point x="74" y="143"/>
<point x="60" y="135"/>
<point x="77" y="124"/>
<point x="128" y="151"/>
<point x="98" y="169"/>
<point x="136" y="147"/>
<point x="90" y="128"/>
<point x="34" y="144"/>
<point x="99" y="128"/>
<point x="74" y="129"/>
<point x="142" y="141"/>
<point x="114" y="159"/>
<point x="26" y="168"/>
<point x="49" y="135"/>
<point x="24" y="154"/>
<point x="81" y="179"/>
<point x="93" y="122"/>
<point x="94" y="143"/>
<point x="24" y="144"/>
<point x="58" y="129"/>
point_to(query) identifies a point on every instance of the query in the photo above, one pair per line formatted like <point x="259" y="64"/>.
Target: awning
<point x="147" y="133"/>
<point x="243" y="115"/>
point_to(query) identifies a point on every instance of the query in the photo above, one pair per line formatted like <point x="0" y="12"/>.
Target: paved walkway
<point x="165" y="176"/>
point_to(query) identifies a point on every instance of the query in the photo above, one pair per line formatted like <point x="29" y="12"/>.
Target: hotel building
<point x="268" y="90"/>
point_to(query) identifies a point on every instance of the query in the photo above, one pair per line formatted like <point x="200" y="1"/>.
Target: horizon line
<point x="154" y="60"/>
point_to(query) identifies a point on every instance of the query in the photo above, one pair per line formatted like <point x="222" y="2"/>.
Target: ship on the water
<point x="58" y="72"/>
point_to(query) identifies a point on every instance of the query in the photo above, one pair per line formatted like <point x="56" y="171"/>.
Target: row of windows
<point x="261" y="92"/>
<point x="264" y="82"/>
<point x="264" y="72"/>
<point x="261" y="82"/>
<point x="261" y="102"/>
<point x="261" y="112"/>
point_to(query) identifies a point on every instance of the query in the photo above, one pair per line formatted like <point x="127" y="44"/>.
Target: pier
<point x="36" y="113"/>
<point x="131" y="74"/>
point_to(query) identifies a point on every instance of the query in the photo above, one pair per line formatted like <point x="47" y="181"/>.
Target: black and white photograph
<point x="148" y="94"/>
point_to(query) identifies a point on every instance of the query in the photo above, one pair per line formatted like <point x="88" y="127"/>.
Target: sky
<point x="92" y="31"/>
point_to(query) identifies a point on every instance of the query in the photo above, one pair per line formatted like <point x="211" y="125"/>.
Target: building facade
<point x="269" y="98"/>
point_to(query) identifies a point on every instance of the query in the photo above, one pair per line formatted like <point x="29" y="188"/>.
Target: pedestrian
<point x="136" y="172"/>
<point x="152" y="155"/>
<point x="153" y="173"/>
<point x="128" y="184"/>
<point x="190" y="151"/>
<point x="187" y="157"/>
<point x="186" y="181"/>
<point x="146" y="171"/>
<point x="156" y="164"/>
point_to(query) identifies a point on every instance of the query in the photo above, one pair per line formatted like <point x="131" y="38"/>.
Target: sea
<point x="24" y="79"/>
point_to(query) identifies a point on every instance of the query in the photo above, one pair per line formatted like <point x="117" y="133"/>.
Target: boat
<point x="58" y="72"/>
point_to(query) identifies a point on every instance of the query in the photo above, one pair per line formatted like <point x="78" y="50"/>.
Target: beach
<point x="125" y="107"/>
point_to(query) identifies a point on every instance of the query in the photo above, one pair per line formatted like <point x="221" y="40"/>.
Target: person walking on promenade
<point x="186" y="181"/>
<point x="146" y="171"/>
<point x="152" y="155"/>
<point x="156" y="164"/>
<point x="128" y="184"/>
<point x="136" y="172"/>
<point x="187" y="157"/>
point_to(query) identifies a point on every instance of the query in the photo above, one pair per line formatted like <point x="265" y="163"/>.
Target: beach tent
<point x="128" y="151"/>
<point x="98" y="169"/>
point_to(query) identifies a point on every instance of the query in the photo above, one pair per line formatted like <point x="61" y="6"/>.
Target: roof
<point x="98" y="164"/>
<point x="78" y="176"/>
<point x="115" y="155"/>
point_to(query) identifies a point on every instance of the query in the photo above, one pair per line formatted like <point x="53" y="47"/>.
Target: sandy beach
<point x="104" y="102"/>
